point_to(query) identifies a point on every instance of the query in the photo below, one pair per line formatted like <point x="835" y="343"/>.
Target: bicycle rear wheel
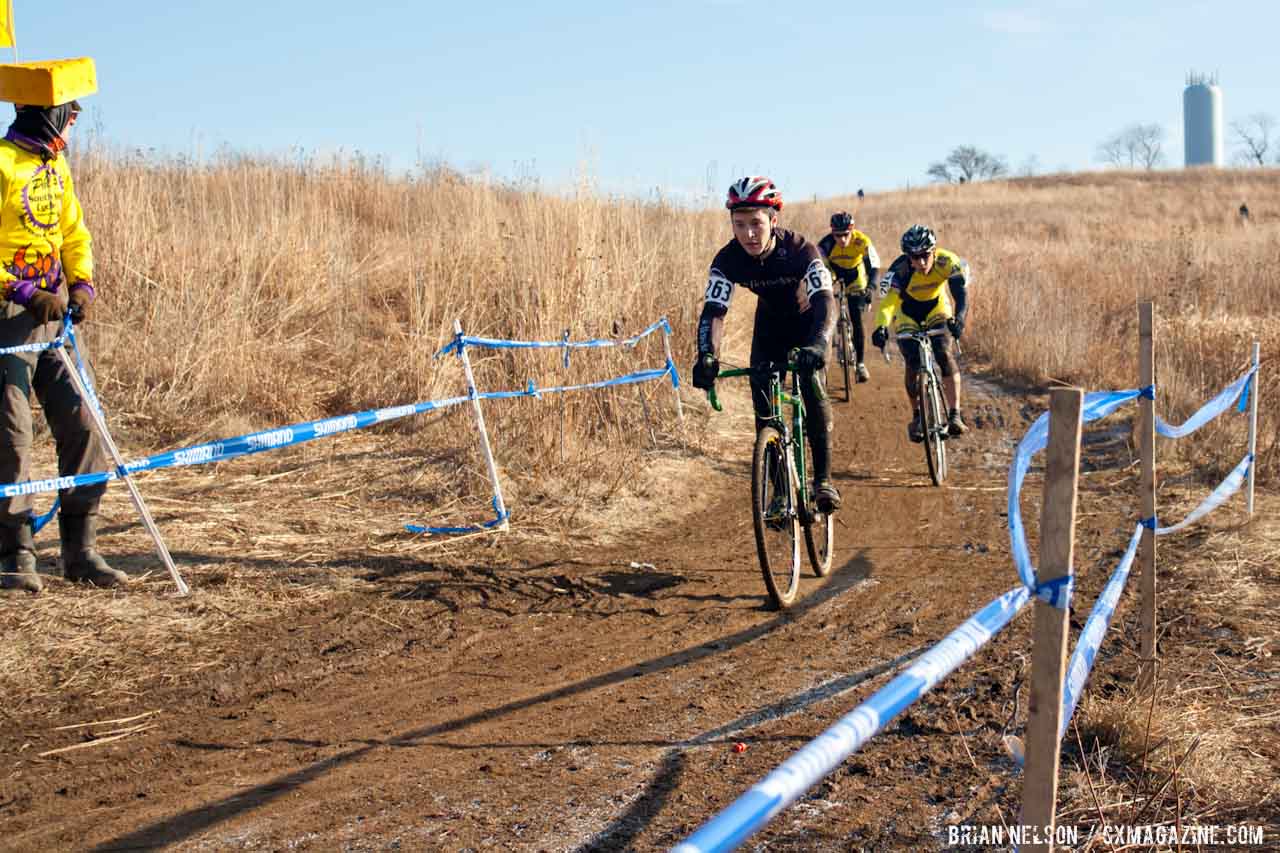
<point x="773" y="511"/>
<point x="935" y="427"/>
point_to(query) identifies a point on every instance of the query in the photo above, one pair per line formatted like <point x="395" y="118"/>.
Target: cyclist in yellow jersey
<point x="926" y="287"/>
<point x="854" y="263"/>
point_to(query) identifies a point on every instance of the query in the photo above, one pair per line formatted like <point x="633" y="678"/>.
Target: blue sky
<point x="823" y="97"/>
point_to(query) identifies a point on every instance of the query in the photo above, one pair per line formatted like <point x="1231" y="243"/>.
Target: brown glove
<point x="81" y="298"/>
<point x="46" y="306"/>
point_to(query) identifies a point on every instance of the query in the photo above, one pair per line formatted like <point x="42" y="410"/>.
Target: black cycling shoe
<point x="826" y="497"/>
<point x="955" y="424"/>
<point x="915" y="429"/>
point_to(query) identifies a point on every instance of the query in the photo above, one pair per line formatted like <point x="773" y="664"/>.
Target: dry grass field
<point x="253" y="293"/>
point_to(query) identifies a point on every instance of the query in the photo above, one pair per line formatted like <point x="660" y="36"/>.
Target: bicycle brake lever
<point x="713" y="399"/>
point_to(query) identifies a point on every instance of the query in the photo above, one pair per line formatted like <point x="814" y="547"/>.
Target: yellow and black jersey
<point x="924" y="299"/>
<point x="856" y="265"/>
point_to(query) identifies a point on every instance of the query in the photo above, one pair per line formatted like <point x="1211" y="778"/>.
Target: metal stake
<point x="100" y="421"/>
<point x="484" y="433"/>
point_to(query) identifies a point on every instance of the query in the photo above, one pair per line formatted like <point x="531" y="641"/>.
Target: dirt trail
<point x="574" y="699"/>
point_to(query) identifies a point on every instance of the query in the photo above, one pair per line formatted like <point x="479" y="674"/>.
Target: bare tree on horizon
<point x="968" y="163"/>
<point x="1253" y="136"/>
<point x="1137" y="146"/>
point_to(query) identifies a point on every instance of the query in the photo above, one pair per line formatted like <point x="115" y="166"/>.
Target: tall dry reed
<point x="1060" y="263"/>
<point x="248" y="292"/>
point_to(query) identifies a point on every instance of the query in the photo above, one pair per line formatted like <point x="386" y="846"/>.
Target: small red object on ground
<point x="739" y="747"/>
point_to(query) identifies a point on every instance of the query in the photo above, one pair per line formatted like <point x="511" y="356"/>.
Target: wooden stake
<point x="1049" y="654"/>
<point x="1147" y="492"/>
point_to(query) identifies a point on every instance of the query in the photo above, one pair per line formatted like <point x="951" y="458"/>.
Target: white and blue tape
<point x="1210" y="410"/>
<point x="497" y="343"/>
<point x="820" y="756"/>
<point x="1094" y="629"/>
<point x="1097" y="404"/>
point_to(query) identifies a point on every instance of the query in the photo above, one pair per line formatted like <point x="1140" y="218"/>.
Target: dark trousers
<point x="79" y="449"/>
<point x="858" y="303"/>
<point x="771" y="339"/>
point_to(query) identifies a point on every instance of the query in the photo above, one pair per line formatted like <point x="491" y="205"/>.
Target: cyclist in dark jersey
<point x="795" y="309"/>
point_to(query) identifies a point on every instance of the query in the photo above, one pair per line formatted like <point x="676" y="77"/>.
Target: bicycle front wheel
<point x="935" y="427"/>
<point x="846" y="348"/>
<point x="777" y="524"/>
<point x="819" y="535"/>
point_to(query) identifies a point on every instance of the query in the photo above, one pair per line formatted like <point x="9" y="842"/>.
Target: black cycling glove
<point x="812" y="357"/>
<point x="705" y="371"/>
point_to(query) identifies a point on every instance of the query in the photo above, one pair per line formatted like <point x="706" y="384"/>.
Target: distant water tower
<point x="1202" y="120"/>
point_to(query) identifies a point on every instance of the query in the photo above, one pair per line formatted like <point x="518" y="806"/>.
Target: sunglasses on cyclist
<point x="920" y="256"/>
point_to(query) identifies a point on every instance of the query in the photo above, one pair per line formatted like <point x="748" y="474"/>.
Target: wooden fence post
<point x="1147" y="490"/>
<point x="1049" y="653"/>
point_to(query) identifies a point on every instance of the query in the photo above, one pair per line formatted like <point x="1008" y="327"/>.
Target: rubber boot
<point x="18" y="559"/>
<point x="81" y="561"/>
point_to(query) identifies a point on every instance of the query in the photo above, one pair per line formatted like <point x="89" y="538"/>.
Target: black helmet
<point x="842" y="221"/>
<point x="918" y="239"/>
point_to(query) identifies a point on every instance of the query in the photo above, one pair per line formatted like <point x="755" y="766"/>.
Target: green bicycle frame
<point x="793" y="437"/>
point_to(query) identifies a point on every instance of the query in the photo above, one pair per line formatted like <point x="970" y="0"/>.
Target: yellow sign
<point x="6" y="24"/>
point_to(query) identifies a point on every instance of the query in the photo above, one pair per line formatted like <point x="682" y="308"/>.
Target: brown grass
<point x="249" y="294"/>
<point x="1203" y="748"/>
<point x="252" y="293"/>
<point x="1060" y="263"/>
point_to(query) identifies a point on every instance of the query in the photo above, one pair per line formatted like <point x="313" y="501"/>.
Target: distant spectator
<point x="1244" y="213"/>
<point x="861" y="194"/>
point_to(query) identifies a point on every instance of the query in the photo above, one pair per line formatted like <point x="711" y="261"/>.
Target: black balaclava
<point x="43" y="126"/>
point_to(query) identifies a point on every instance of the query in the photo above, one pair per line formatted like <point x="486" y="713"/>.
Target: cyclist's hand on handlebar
<point x="812" y="357"/>
<point x="705" y="371"/>
<point x="880" y="337"/>
<point x="956" y="326"/>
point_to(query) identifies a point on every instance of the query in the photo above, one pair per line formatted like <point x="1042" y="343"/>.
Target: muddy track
<point x="578" y="699"/>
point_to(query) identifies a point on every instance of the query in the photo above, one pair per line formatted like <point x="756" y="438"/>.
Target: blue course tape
<point x="499" y="517"/>
<point x="47" y="345"/>
<point x="1097" y="404"/>
<point x="1094" y="629"/>
<point x="287" y="436"/>
<point x="1057" y="592"/>
<point x="1209" y="410"/>
<point x="1228" y="487"/>
<point x="460" y="341"/>
<point x="1248" y="386"/>
<point x="820" y="756"/>
<point x="231" y="448"/>
<point x="38" y="522"/>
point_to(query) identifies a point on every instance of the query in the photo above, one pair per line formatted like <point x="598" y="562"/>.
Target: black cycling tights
<point x="857" y="329"/>
<point x="817" y="408"/>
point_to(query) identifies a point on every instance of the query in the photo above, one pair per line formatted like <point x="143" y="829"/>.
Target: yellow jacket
<point x="42" y="232"/>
